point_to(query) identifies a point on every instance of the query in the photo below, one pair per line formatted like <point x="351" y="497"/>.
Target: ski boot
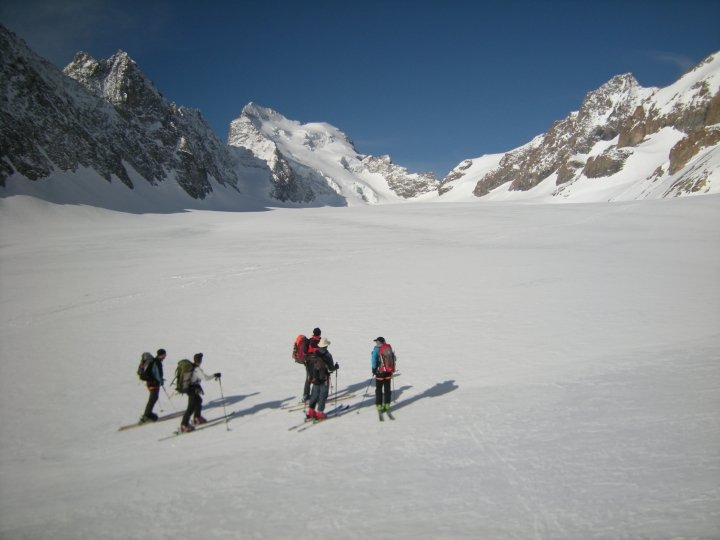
<point x="197" y="420"/>
<point x="186" y="429"/>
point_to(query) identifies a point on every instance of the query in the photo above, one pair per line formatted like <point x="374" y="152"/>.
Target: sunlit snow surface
<point x="560" y="371"/>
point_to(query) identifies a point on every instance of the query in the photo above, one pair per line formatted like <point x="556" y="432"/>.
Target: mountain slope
<point x="104" y="117"/>
<point x="316" y="162"/>
<point x="626" y="142"/>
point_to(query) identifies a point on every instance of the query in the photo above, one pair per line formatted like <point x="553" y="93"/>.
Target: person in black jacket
<point x="154" y="382"/>
<point x="321" y="364"/>
<point x="312" y="349"/>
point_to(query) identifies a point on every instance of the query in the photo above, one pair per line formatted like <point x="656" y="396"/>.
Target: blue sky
<point x="429" y="83"/>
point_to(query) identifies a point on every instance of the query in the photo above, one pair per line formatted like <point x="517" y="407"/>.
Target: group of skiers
<point x="319" y="364"/>
<point x="189" y="376"/>
<point x="312" y="352"/>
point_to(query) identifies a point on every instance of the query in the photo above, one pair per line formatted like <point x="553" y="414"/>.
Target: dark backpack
<point x="183" y="376"/>
<point x="144" y="370"/>
<point x="387" y="358"/>
<point x="300" y="349"/>
<point x="318" y="368"/>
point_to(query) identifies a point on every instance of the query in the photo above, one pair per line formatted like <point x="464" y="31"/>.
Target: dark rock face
<point x="102" y="115"/>
<point x="405" y="184"/>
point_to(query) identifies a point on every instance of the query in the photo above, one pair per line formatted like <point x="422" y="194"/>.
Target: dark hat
<point x="198" y="356"/>
<point x="317" y="332"/>
<point x="380" y="339"/>
<point x="161" y="352"/>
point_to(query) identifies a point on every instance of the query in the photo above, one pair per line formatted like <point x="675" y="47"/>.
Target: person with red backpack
<point x="312" y="347"/>
<point x="382" y="362"/>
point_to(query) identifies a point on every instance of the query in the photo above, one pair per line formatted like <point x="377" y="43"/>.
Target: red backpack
<point x="387" y="358"/>
<point x="300" y="349"/>
<point x="313" y="342"/>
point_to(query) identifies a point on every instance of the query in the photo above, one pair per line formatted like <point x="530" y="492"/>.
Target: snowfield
<point x="560" y="371"/>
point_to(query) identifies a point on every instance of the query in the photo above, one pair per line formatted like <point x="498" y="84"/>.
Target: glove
<point x="337" y="366"/>
<point x="217" y="375"/>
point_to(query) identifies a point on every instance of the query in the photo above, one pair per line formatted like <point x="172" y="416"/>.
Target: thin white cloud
<point x="682" y="62"/>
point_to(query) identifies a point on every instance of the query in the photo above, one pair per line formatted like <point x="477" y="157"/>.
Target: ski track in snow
<point x="559" y="372"/>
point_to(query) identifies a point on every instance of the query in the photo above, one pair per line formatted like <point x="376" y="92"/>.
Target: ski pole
<point x="336" y="387"/>
<point x="169" y="399"/>
<point x="223" y="402"/>
<point x="368" y="387"/>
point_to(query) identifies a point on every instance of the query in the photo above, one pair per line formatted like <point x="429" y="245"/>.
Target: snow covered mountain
<point x="626" y="142"/>
<point x="62" y="133"/>
<point x="100" y="133"/>
<point x="318" y="163"/>
<point x="101" y="116"/>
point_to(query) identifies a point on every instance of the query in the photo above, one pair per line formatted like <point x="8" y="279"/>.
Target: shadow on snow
<point x="231" y="400"/>
<point x="368" y="398"/>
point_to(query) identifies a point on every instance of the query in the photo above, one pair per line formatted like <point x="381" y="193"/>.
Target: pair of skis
<point x="381" y="416"/>
<point x="309" y="422"/>
<point x="149" y="422"/>
<point x="200" y="427"/>
<point x="292" y="407"/>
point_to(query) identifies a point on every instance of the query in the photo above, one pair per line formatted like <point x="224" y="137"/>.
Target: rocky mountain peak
<point x="614" y="98"/>
<point x="317" y="163"/>
<point x="118" y="80"/>
<point x="254" y="111"/>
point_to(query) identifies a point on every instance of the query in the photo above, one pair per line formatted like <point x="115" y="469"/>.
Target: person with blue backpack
<point x="152" y="374"/>
<point x="382" y="363"/>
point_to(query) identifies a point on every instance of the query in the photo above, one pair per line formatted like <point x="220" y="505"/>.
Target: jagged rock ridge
<point x="102" y="115"/>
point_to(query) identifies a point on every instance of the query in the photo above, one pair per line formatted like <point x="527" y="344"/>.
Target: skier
<point x="312" y="348"/>
<point x="321" y="364"/>
<point x="382" y="362"/>
<point x="154" y="382"/>
<point x="195" y="393"/>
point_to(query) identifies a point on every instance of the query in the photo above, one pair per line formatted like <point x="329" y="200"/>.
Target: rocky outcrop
<point x="606" y="164"/>
<point x="691" y="145"/>
<point x="405" y="184"/>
